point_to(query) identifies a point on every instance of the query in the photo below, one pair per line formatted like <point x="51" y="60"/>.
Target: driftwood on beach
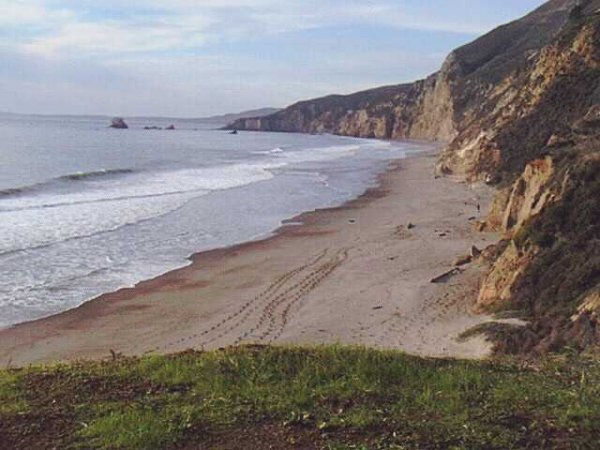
<point x="445" y="275"/>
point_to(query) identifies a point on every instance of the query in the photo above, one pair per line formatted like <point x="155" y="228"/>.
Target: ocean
<point x="86" y="210"/>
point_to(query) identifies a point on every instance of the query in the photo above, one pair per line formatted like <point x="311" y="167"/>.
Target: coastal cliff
<point x="518" y="108"/>
<point x="438" y="107"/>
<point x="543" y="147"/>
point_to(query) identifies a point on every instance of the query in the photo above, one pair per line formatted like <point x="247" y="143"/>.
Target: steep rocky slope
<point x="541" y="141"/>
<point x="519" y="108"/>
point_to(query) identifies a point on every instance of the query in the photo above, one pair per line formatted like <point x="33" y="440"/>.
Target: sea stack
<point x="119" y="123"/>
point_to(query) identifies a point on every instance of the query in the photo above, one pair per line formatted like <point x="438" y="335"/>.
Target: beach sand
<point x="357" y="274"/>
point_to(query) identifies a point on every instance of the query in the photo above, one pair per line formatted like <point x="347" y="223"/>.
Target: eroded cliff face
<point x="530" y="194"/>
<point x="549" y="266"/>
<point x="498" y="286"/>
<point x="536" y="105"/>
<point x="420" y="110"/>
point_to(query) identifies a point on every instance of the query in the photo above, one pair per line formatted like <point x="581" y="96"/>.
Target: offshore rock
<point x="118" y="123"/>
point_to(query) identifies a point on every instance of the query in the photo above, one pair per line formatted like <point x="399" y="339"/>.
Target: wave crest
<point x="77" y="176"/>
<point x="95" y="174"/>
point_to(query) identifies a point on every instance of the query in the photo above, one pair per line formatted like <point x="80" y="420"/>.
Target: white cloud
<point x="389" y="14"/>
<point x="160" y="25"/>
<point x="24" y="12"/>
<point x="113" y="37"/>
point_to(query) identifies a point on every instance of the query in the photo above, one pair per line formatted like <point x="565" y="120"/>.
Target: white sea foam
<point x="108" y="204"/>
<point x="268" y="152"/>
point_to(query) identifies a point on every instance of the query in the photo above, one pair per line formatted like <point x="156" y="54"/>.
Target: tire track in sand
<point x="239" y="317"/>
<point x="275" y="314"/>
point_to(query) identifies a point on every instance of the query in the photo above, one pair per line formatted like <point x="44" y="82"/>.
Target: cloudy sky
<point x="193" y="58"/>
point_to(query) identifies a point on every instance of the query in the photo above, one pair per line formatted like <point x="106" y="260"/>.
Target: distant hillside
<point x="518" y="108"/>
<point x="228" y="118"/>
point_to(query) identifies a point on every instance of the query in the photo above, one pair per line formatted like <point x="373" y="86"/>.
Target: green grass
<point x="11" y="397"/>
<point x="326" y="397"/>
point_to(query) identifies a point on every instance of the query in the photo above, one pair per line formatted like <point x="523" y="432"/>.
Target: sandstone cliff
<point x="519" y="108"/>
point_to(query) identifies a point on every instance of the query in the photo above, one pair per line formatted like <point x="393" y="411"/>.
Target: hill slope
<point x="227" y="118"/>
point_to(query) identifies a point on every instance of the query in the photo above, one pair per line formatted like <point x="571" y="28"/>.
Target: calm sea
<point x="85" y="209"/>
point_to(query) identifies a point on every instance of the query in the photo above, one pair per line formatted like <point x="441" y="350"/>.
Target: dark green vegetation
<point x="329" y="397"/>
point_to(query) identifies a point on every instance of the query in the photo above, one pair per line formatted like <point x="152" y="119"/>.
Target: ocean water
<point x="85" y="209"/>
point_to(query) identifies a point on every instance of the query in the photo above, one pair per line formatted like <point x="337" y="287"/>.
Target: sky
<point x="195" y="58"/>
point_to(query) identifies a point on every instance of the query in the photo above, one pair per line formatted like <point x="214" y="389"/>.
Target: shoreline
<point x="268" y="305"/>
<point x="293" y="221"/>
<point x="185" y="258"/>
<point x="285" y="222"/>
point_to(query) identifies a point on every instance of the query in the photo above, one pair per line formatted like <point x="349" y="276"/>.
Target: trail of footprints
<point x="422" y="318"/>
<point x="264" y="317"/>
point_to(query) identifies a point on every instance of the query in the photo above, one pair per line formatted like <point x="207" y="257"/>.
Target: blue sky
<point x="194" y="58"/>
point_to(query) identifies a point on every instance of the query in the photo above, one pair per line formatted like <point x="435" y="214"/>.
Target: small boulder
<point x="590" y="123"/>
<point x="410" y="225"/>
<point x="475" y="252"/>
<point x="170" y="127"/>
<point x="592" y="117"/>
<point x="560" y="140"/>
<point x="480" y="225"/>
<point x="118" y="123"/>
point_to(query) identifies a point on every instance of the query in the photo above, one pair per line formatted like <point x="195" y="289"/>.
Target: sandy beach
<point x="356" y="274"/>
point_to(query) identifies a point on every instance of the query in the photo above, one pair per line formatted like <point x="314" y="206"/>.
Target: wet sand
<point x="356" y="274"/>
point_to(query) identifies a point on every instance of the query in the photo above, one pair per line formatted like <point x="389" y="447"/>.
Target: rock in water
<point x="119" y="123"/>
<point x="170" y="127"/>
